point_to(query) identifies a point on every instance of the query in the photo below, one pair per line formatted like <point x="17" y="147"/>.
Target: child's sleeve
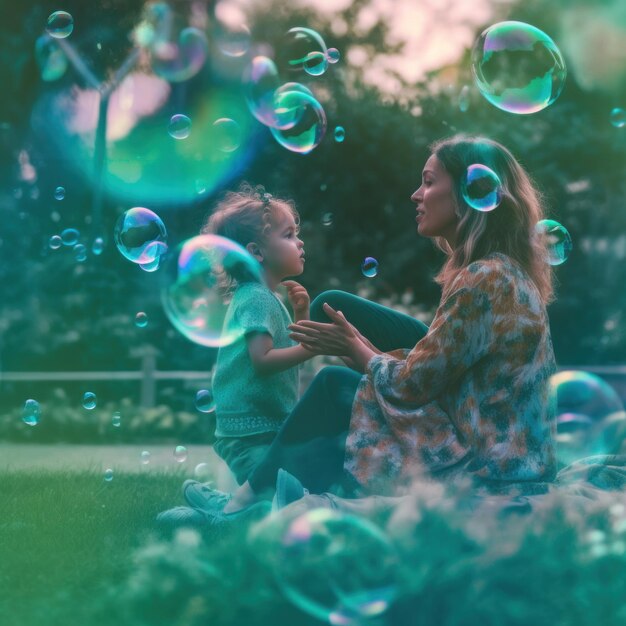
<point x="461" y="334"/>
<point x="256" y="313"/>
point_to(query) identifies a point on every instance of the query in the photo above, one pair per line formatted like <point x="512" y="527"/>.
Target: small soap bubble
<point x="31" y="412"/>
<point x="108" y="475"/>
<point x="340" y="134"/>
<point x="558" y="240"/>
<point x="116" y="419"/>
<point x="464" y="99"/>
<point x="227" y="134"/>
<point x="202" y="471"/>
<point x="60" y="24"/>
<point x="369" y="267"/>
<point x="59" y="193"/>
<point x="481" y="188"/>
<point x="233" y="40"/>
<point x="180" y="454"/>
<point x="205" y="402"/>
<point x="297" y="44"/>
<point x="70" y="236"/>
<point x="141" y="320"/>
<point x="55" y="242"/>
<point x="144" y="457"/>
<point x="315" y="63"/>
<point x="98" y="246"/>
<point x="327" y="219"/>
<point x="55" y="216"/>
<point x="80" y="252"/>
<point x="333" y="55"/>
<point x="90" y="400"/>
<point x="179" y="126"/>
<point x="618" y="118"/>
<point x="323" y="187"/>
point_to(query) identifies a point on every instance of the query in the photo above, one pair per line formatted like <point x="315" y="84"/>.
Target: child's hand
<point x="298" y="299"/>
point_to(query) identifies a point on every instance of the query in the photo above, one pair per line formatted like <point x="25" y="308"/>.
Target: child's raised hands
<point x="299" y="299"/>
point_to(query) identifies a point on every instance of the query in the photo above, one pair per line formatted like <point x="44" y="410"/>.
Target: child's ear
<point x="255" y="251"/>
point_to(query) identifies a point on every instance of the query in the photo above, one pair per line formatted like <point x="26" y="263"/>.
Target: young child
<point x="255" y="384"/>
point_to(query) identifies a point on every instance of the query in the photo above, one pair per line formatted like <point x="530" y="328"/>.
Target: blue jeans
<point x="311" y="442"/>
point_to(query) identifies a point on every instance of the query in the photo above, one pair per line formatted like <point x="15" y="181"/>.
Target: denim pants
<point x="311" y="442"/>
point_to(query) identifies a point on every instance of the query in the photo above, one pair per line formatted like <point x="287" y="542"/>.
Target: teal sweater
<point x="247" y="403"/>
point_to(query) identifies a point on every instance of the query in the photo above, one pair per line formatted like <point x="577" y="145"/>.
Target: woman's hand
<point x="340" y="338"/>
<point x="299" y="299"/>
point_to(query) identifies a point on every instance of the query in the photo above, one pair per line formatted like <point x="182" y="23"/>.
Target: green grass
<point x="77" y="550"/>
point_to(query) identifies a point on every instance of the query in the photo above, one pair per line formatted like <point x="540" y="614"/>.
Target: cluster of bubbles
<point x="558" y="240"/>
<point x="369" y="267"/>
<point x="518" y="68"/>
<point x="69" y="237"/>
<point x="225" y="134"/>
<point x="590" y="415"/>
<point x="319" y="565"/>
<point x="140" y="236"/>
<point x="198" y="285"/>
<point x="481" y="188"/>
<point x="60" y="24"/>
<point x="291" y="111"/>
<point x="205" y="402"/>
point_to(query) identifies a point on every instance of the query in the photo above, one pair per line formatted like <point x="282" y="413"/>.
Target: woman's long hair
<point x="509" y="229"/>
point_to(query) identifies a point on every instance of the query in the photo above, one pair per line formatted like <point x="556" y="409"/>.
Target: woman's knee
<point x="334" y="297"/>
<point x="334" y="378"/>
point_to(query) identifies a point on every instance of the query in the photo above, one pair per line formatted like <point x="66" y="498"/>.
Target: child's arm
<point x="268" y="360"/>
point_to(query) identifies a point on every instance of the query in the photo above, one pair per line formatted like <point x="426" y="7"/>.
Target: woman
<point x="470" y="397"/>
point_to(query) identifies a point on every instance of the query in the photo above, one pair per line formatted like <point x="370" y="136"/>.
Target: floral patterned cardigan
<point x="472" y="397"/>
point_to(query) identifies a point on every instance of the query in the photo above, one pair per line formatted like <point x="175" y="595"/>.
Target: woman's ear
<point x="255" y="251"/>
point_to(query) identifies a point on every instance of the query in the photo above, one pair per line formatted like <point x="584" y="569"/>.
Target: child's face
<point x="283" y="250"/>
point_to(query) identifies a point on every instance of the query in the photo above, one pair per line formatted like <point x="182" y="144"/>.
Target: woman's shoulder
<point x="493" y="270"/>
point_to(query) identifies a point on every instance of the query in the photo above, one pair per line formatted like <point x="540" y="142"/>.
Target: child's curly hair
<point x="247" y="215"/>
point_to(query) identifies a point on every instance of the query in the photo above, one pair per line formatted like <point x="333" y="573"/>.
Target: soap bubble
<point x="297" y="44"/>
<point x="369" y="267"/>
<point x="340" y="134"/>
<point x="145" y="457"/>
<point x="51" y="59"/>
<point x="310" y="127"/>
<point x="59" y="193"/>
<point x="31" y="412"/>
<point x="179" y="126"/>
<point x="108" y="475"/>
<point x="327" y="219"/>
<point x="116" y="419"/>
<point x="233" y="40"/>
<point x="198" y="287"/>
<point x="90" y="400"/>
<point x="288" y="111"/>
<point x="618" y="118"/>
<point x="80" y="252"/>
<point x="315" y="63"/>
<point x="481" y="188"/>
<point x="60" y="25"/>
<point x="558" y="240"/>
<point x="98" y="246"/>
<point x="141" y="320"/>
<point x="517" y="67"/>
<point x="180" y="454"/>
<point x="227" y="134"/>
<point x="55" y="242"/>
<point x="260" y="81"/>
<point x="179" y="60"/>
<point x="337" y="567"/>
<point x="140" y="235"/>
<point x="202" y="472"/>
<point x="70" y="236"/>
<point x="205" y="403"/>
<point x="333" y="55"/>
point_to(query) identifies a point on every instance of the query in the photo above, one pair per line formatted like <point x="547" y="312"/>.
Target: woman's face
<point x="436" y="203"/>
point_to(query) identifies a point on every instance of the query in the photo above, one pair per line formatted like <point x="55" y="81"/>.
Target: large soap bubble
<point x="557" y="239"/>
<point x="140" y="235"/>
<point x="296" y="46"/>
<point x="481" y="188"/>
<point x="260" y="81"/>
<point x="198" y="285"/>
<point x="310" y="127"/>
<point x="339" y="568"/>
<point x="179" y="59"/>
<point x="518" y="68"/>
<point x="60" y="24"/>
